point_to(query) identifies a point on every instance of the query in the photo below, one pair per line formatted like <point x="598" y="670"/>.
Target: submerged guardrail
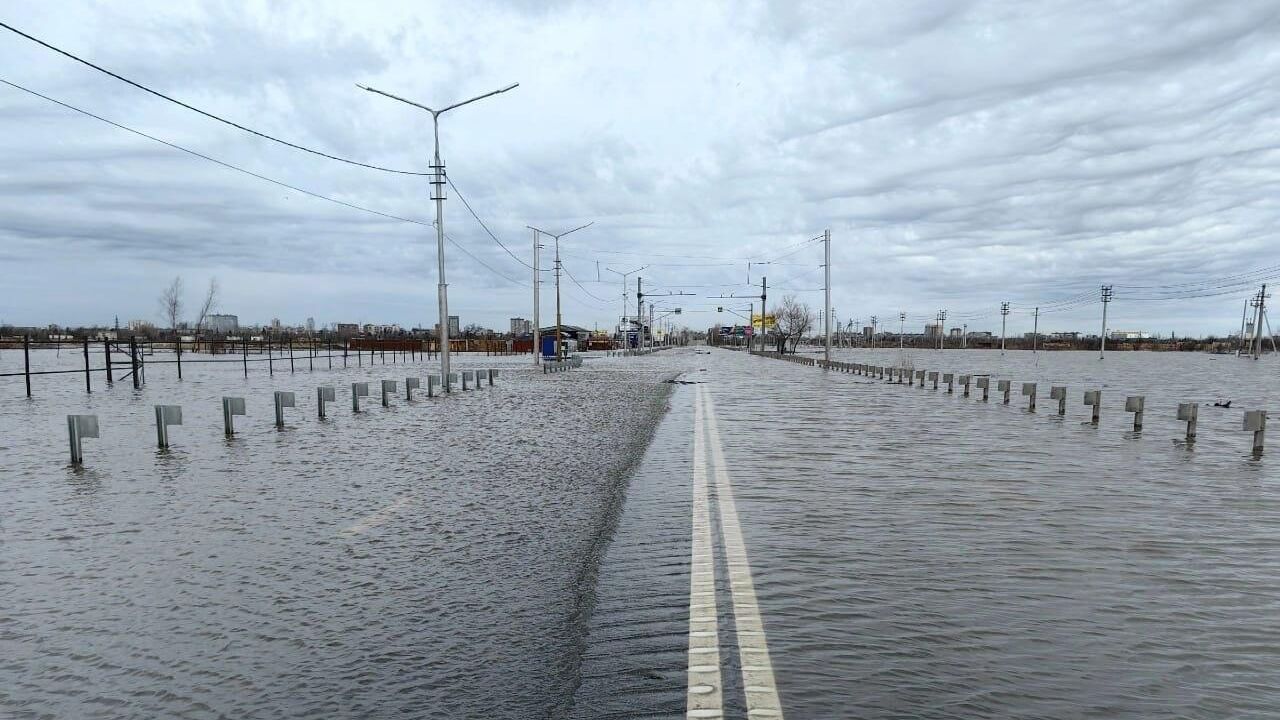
<point x="1255" y="421"/>
<point x="80" y="427"/>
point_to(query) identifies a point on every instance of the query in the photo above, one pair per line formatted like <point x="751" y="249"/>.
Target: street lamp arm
<point x="397" y="97"/>
<point x="512" y="86"/>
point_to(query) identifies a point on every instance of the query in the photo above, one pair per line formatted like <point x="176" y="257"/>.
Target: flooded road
<point x="927" y="556"/>
<point x="427" y="559"/>
<point x="556" y="545"/>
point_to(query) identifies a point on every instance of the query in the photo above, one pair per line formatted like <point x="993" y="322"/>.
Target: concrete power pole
<point x="537" y="282"/>
<point x="1035" y="331"/>
<point x="873" y="332"/>
<point x="826" y="315"/>
<point x="1259" y="308"/>
<point x="1106" y="300"/>
<point x="902" y="328"/>
<point x="942" y="329"/>
<point x="1004" y="317"/>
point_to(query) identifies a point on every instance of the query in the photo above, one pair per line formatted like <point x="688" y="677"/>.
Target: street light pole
<point x="902" y="328"/>
<point x="559" y="353"/>
<point x="623" y="275"/>
<point x="437" y="184"/>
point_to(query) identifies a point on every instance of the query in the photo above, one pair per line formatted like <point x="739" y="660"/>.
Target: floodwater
<point x="524" y="551"/>
<point x="427" y="559"/>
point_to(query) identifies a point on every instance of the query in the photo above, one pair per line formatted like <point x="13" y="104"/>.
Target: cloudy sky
<point x="961" y="153"/>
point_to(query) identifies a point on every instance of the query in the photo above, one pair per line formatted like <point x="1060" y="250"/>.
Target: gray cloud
<point x="963" y="153"/>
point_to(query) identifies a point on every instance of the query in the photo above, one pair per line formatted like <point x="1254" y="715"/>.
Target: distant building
<point x="980" y="335"/>
<point x="932" y="330"/>
<point x="521" y="326"/>
<point x="956" y="332"/>
<point x="455" y="326"/>
<point x="220" y="324"/>
<point x="140" y="325"/>
<point x="1129" y="335"/>
<point x="347" y="329"/>
<point x="1066" y="335"/>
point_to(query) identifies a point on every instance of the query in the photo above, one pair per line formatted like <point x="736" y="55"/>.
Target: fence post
<point x="1135" y="404"/>
<point x="1094" y="398"/>
<point x="323" y="395"/>
<point x="179" y="352"/>
<point x="1256" y="420"/>
<point x="244" y="344"/>
<point x="133" y="361"/>
<point x="166" y="415"/>
<point x="26" y="364"/>
<point x="1189" y="412"/>
<point x="106" y="350"/>
<point x="1059" y="393"/>
<point x="231" y="406"/>
<point x="88" y="384"/>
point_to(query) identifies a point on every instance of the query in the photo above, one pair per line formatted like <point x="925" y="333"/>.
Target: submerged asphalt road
<point x="915" y="554"/>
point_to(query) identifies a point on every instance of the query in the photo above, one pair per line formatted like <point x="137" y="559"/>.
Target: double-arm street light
<point x="437" y="194"/>
<point x="559" y="355"/>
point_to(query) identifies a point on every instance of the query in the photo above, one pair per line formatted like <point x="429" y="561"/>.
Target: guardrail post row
<point x="358" y="390"/>
<point x="166" y="415"/>
<point x="78" y="428"/>
<point x="231" y="406"/>
<point x="1189" y="413"/>
<point x="984" y="384"/>
<point x="1029" y="390"/>
<point x="933" y="377"/>
<point x="467" y="377"/>
<point x="493" y="375"/>
<point x="1254" y="420"/>
<point x="1135" y="404"/>
<point x="1004" y="387"/>
<point x="411" y="384"/>
<point x="950" y="380"/>
<point x="388" y="389"/>
<point x="1094" y="398"/>
<point x="324" y="394"/>
<point x="964" y="383"/>
<point x="283" y="400"/>
<point x="434" y="380"/>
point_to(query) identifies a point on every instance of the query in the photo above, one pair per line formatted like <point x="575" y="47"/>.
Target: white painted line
<point x="380" y="517"/>
<point x="705" y="696"/>
<point x="757" y="673"/>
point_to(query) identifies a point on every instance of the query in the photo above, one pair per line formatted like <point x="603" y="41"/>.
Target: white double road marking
<point x="705" y="696"/>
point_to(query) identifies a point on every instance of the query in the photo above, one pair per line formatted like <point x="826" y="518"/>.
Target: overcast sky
<point x="962" y="153"/>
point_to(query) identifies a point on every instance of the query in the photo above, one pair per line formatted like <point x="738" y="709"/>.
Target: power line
<point x="253" y="174"/>
<point x="206" y="113"/>
<point x="483" y="225"/>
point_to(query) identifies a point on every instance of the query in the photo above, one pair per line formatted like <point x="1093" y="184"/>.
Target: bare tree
<point x="792" y="319"/>
<point x="171" y="303"/>
<point x="208" y="306"/>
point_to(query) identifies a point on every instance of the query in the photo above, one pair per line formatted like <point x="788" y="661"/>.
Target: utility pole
<point x="902" y="327"/>
<point x="764" y="317"/>
<point x="1106" y="300"/>
<point x="826" y="322"/>
<point x="537" y="303"/>
<point x="1004" y="317"/>
<point x="639" y="312"/>
<point x="964" y="337"/>
<point x="942" y="329"/>
<point x="873" y="332"/>
<point x="559" y="345"/>
<point x="1035" y="332"/>
<point x="1243" y="314"/>
<point x="437" y="194"/>
<point x="1260" y="304"/>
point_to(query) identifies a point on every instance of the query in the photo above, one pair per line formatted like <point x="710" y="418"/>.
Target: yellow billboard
<point x="769" y="320"/>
